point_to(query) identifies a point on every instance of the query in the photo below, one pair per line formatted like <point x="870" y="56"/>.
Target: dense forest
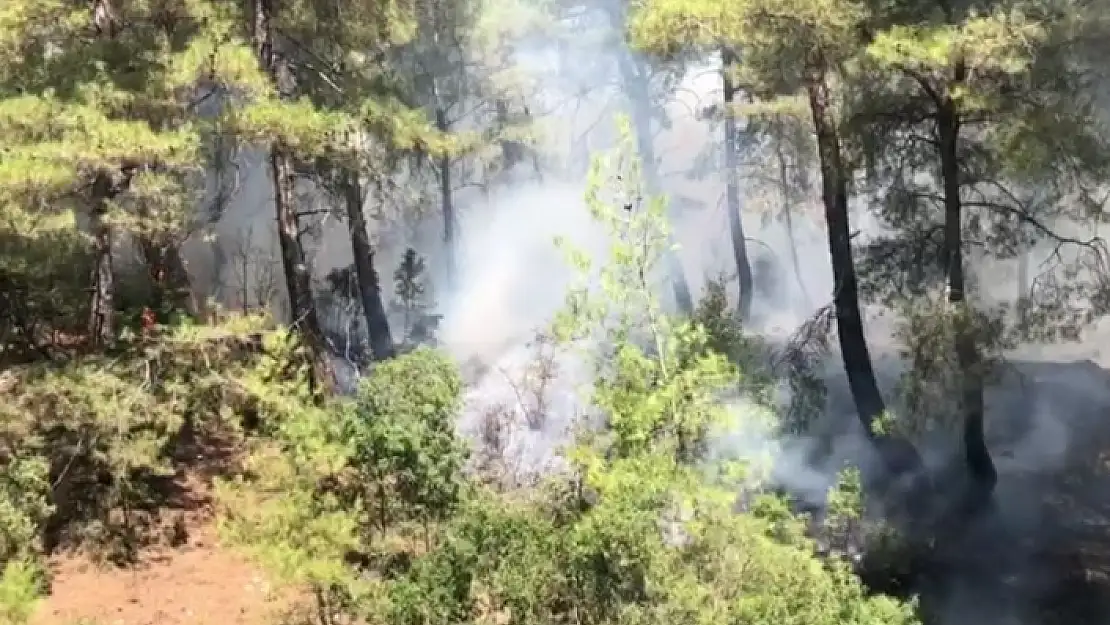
<point x="581" y="312"/>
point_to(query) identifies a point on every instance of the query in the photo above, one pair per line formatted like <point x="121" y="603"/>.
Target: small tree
<point x="413" y="299"/>
<point x="338" y="484"/>
<point x="403" y="431"/>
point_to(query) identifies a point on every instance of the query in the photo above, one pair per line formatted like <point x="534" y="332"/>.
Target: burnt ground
<point x="1041" y="553"/>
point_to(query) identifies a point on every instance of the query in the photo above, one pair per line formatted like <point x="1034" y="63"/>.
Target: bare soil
<point x="200" y="584"/>
<point x="183" y="576"/>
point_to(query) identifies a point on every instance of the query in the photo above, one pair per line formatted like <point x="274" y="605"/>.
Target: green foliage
<point x="279" y="510"/>
<point x="21" y="590"/>
<point x="402" y="428"/>
<point x="347" y="477"/>
<point x="366" y="500"/>
<point x="663" y="395"/>
<point x="641" y="530"/>
<point x="103" y="428"/>
<point x="640" y="535"/>
<point x="495" y="558"/>
<point x="613" y="566"/>
<point x="24" y="510"/>
<point x="24" y="505"/>
<point x="774" y="39"/>
<point x="931" y="386"/>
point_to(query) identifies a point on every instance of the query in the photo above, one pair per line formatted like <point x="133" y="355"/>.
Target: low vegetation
<point x="370" y="504"/>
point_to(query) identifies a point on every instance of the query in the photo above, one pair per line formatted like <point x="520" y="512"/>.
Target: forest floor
<point x="199" y="584"/>
<point x="190" y="578"/>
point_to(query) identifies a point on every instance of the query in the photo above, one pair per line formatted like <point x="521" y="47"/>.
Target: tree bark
<point x="870" y="407"/>
<point x="298" y="280"/>
<point x="789" y="194"/>
<point x="168" y="275"/>
<point x="447" y="202"/>
<point x="101" y="327"/>
<point x="102" y="304"/>
<point x="976" y="454"/>
<point x="369" y="289"/>
<point x="732" y="189"/>
<point x="1021" y="302"/>
<point x="635" y="85"/>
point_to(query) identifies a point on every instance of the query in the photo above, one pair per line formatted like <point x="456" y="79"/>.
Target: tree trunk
<point x="446" y="195"/>
<point x="732" y="189"/>
<point x="101" y="328"/>
<point x="102" y="303"/>
<point x="788" y="196"/>
<point x="369" y="289"/>
<point x="635" y="85"/>
<point x="298" y="281"/>
<point x="849" y="319"/>
<point x="168" y="276"/>
<point x="976" y="455"/>
<point x="1021" y="303"/>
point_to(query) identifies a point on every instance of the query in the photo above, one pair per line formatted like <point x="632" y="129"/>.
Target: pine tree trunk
<point x="788" y="196"/>
<point x="168" y="275"/>
<point x="102" y="303"/>
<point x="870" y="406"/>
<point x="101" y="328"/>
<point x="447" y="202"/>
<point x="1021" y="302"/>
<point x="298" y="281"/>
<point x="377" y="323"/>
<point x="635" y="84"/>
<point x="976" y="454"/>
<point x="732" y="189"/>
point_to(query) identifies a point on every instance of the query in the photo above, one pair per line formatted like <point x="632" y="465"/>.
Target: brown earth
<point x="187" y="578"/>
<point x="200" y="584"/>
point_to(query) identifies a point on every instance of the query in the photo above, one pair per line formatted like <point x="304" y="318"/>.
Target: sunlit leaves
<point x="51" y="145"/>
<point x="298" y="125"/>
<point x="1000" y="42"/>
<point x="211" y="60"/>
<point x="773" y="38"/>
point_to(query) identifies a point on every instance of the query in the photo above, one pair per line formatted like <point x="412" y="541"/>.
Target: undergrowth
<point x="369" y="506"/>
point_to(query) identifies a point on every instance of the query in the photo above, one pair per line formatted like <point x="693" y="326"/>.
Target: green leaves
<point x="402" y="427"/>
<point x="970" y="59"/>
<point x="22" y="586"/>
<point x="774" y="39"/>
<point x="298" y="125"/>
<point x="51" y="144"/>
<point x="216" y="57"/>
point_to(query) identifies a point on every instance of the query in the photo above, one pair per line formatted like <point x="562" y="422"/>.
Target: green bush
<point x="402" y="428"/>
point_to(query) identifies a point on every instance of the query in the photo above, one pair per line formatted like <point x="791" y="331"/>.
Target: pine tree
<point x="98" y="118"/>
<point x="1000" y="94"/>
<point x="790" y="53"/>
<point x="361" y="86"/>
<point x="732" y="185"/>
<point x="320" y="105"/>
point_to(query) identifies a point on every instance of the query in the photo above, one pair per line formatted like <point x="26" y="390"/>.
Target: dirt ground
<point x="190" y="579"/>
<point x="199" y="584"/>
